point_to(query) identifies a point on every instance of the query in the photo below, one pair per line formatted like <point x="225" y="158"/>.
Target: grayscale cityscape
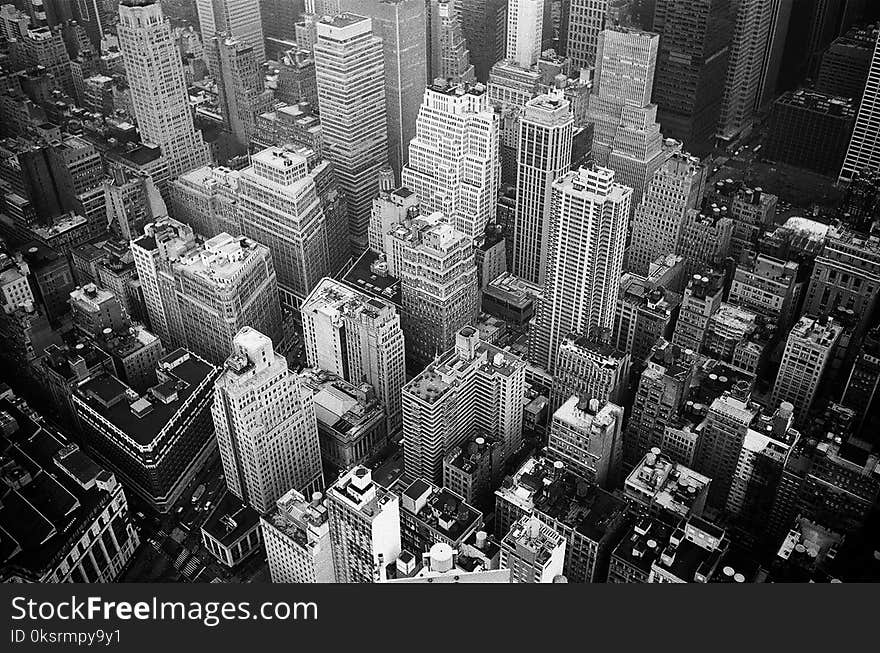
<point x="440" y="291"/>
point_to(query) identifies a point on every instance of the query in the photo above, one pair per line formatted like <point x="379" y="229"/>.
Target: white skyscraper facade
<point x="544" y="155"/>
<point x="589" y="217"/>
<point x="454" y="160"/>
<point x="265" y="423"/>
<point x="864" y="147"/>
<point x="159" y="94"/>
<point x="349" y="64"/>
<point x="525" y="22"/>
<point x="238" y="18"/>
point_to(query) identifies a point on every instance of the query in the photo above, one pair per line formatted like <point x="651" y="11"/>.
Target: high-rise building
<point x="702" y="299"/>
<point x="297" y="539"/>
<point x="265" y="424"/>
<point x="240" y="92"/>
<point x="675" y="188"/>
<point x="439" y="285"/>
<point x="862" y="391"/>
<point x="808" y="352"/>
<point x="846" y="62"/>
<point x="350" y="69"/>
<point x="586" y="19"/>
<point x="589" y="215"/>
<point x="704" y="239"/>
<point x="748" y="49"/>
<point x="588" y="435"/>
<point x="692" y="61"/>
<point x="768" y="286"/>
<point x="157" y="441"/>
<point x="864" y="147"/>
<point x="391" y="207"/>
<point x="158" y="89"/>
<point x="364" y="526"/>
<point x="451" y="58"/>
<point x="401" y="26"/>
<point x="238" y="18"/>
<point x="200" y="296"/>
<point x="357" y="338"/>
<point x="278" y="206"/>
<point x="666" y="488"/>
<point x="483" y="23"/>
<point x="454" y="160"/>
<point x="525" y="23"/>
<point x="544" y="155"/>
<point x="533" y="551"/>
<point x="474" y="387"/>
<point x="590" y="369"/>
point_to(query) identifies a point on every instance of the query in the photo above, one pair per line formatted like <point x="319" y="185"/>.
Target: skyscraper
<point x="454" y="160"/>
<point x="864" y="147"/>
<point x="358" y="338"/>
<point x="452" y="59"/>
<point x="544" y="155"/>
<point x="586" y="18"/>
<point x="589" y="216"/>
<point x="278" y="206"/>
<point x="525" y="22"/>
<point x="473" y="387"/>
<point x="439" y="284"/>
<point x="483" y="25"/>
<point x="748" y="48"/>
<point x="349" y="62"/>
<point x="239" y="18"/>
<point x="401" y="26"/>
<point x="691" y="68"/>
<point x="297" y="539"/>
<point x="265" y="425"/>
<point x="158" y="88"/>
<point x="676" y="187"/>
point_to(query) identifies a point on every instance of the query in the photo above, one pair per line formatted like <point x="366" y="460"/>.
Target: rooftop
<point x="230" y="520"/>
<point x="369" y="275"/>
<point x="340" y="406"/>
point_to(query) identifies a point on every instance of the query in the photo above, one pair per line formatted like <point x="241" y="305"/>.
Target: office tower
<point x="590" y="369"/>
<point x="846" y="62"/>
<point x="278" y="19"/>
<point x="131" y="200"/>
<point x="430" y="514"/>
<point x="240" y="92"/>
<point x="586" y="19"/>
<point x="591" y="519"/>
<point x="724" y="431"/>
<point x="533" y="551"/>
<point x="692" y="61"/>
<point x="587" y="433"/>
<point x="206" y="293"/>
<point x="663" y="388"/>
<point x="525" y="22"/>
<point x="357" y="338"/>
<point x="451" y="57"/>
<point x="702" y="299"/>
<point x="647" y="309"/>
<point x="862" y="391"/>
<point x="391" y="207"/>
<point x="93" y="309"/>
<point x="752" y="210"/>
<point x="544" y="155"/>
<point x="439" y="284"/>
<point x="364" y="526"/>
<point x="265" y="425"/>
<point x="297" y="539"/>
<point x="401" y="26"/>
<point x="237" y="18"/>
<point x="676" y="188"/>
<point x="158" y="440"/>
<point x="454" y="160"/>
<point x="589" y="215"/>
<point x="278" y="206"/>
<point x="483" y="23"/>
<point x="768" y="286"/>
<point x="704" y="240"/>
<point x="666" y="488"/>
<point x="158" y="89"/>
<point x="626" y="135"/>
<point x="450" y="400"/>
<point x="846" y="275"/>
<point x="864" y="147"/>
<point x="748" y="49"/>
<point x="71" y="521"/>
<point x="205" y="199"/>
<point x="808" y="352"/>
<point x="351" y="97"/>
<point x="473" y="469"/>
<point x="810" y="130"/>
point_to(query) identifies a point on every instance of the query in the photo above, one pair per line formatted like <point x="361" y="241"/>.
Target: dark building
<point x="484" y="24"/>
<point x="279" y="18"/>
<point x="692" y="61"/>
<point x="157" y="441"/>
<point x="810" y="130"/>
<point x="845" y="64"/>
